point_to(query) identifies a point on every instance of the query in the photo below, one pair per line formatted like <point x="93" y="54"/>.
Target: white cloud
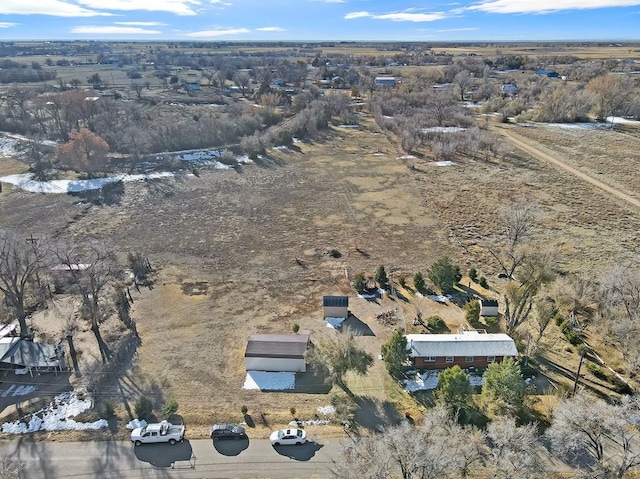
<point x="141" y="24"/>
<point x="177" y="7"/>
<point x="112" y="30"/>
<point x="547" y="6"/>
<point x="406" y="16"/>
<point x="352" y="15"/>
<point x="55" y="8"/>
<point x="218" y="32"/>
<point x="8" y="24"/>
<point x="271" y="29"/>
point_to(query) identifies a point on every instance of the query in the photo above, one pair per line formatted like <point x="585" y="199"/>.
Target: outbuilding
<point x="335" y="307"/>
<point x="488" y="307"/>
<point x="276" y="352"/>
<point x="466" y="349"/>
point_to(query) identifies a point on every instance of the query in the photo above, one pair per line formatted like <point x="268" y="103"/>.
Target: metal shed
<point x="276" y="352"/>
<point x="335" y="306"/>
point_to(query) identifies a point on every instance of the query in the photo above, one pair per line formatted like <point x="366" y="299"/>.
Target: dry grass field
<point x="241" y="252"/>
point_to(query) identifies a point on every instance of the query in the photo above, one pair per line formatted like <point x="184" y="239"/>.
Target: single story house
<point x="547" y="73"/>
<point x="509" y="89"/>
<point x="335" y="307"/>
<point x="27" y="355"/>
<point x="466" y="349"/>
<point x="385" y="81"/>
<point x="488" y="307"/>
<point x="276" y="352"/>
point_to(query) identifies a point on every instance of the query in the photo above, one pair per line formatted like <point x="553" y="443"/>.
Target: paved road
<point x="518" y="141"/>
<point x="222" y="459"/>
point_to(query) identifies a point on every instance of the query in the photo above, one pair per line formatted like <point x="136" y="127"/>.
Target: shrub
<point x="359" y="282"/>
<point x="571" y="334"/>
<point x="109" y="409"/>
<point x="559" y="319"/>
<point x="170" y="408"/>
<point x="472" y="311"/>
<point x="473" y="274"/>
<point x="296" y="327"/>
<point x="244" y="409"/>
<point x="402" y="281"/>
<point x="436" y="323"/>
<point x="483" y="282"/>
<point x="143" y="408"/>
<point x="292" y="410"/>
<point x="381" y="277"/>
<point x="418" y="281"/>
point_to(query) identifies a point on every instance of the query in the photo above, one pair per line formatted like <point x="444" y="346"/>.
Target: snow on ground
<point x="326" y="410"/>
<point x="135" y="423"/>
<point x="620" y="120"/>
<point x="269" y="381"/>
<point x="367" y="296"/>
<point x="8" y="146"/>
<point x="577" y="126"/>
<point x="348" y="126"/>
<point x="428" y="381"/>
<point x="443" y="163"/>
<point x="443" y="129"/>
<point x="15" y="390"/>
<point x="24" y="182"/>
<point x="56" y="417"/>
<point x="310" y="422"/>
<point x="335" y="323"/>
<point x="405" y="157"/>
<point x="439" y="299"/>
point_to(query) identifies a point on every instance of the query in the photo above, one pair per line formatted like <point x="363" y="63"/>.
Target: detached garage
<point x="276" y="352"/>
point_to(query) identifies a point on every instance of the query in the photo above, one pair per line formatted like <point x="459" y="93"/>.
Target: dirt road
<point x="535" y="152"/>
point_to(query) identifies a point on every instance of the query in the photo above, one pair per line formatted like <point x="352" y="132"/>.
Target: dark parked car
<point x="227" y="431"/>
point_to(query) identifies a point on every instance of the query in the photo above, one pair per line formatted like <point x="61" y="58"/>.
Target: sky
<point x="328" y="20"/>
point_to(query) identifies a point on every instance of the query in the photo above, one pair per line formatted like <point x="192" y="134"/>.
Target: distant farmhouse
<point x="547" y="73"/>
<point x="509" y="89"/>
<point x="466" y="349"/>
<point x="385" y="81"/>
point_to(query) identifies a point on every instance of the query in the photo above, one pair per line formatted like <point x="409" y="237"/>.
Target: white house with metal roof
<point x="466" y="349"/>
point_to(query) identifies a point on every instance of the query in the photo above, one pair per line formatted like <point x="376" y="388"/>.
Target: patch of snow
<point x="56" y="417"/>
<point x="348" y="126"/>
<point x="8" y="146"/>
<point x="310" y="422"/>
<point x="439" y="299"/>
<point x="387" y="117"/>
<point x="367" y="296"/>
<point x="576" y="126"/>
<point x="472" y="104"/>
<point x="297" y="140"/>
<point x="428" y="381"/>
<point x="379" y="154"/>
<point x="335" y="323"/>
<point x="405" y="157"/>
<point x="281" y="147"/>
<point x="620" y="120"/>
<point x="443" y="163"/>
<point x="24" y="182"/>
<point x="135" y="423"/>
<point x="269" y="381"/>
<point x="326" y="410"/>
<point x="419" y="295"/>
<point x="443" y="129"/>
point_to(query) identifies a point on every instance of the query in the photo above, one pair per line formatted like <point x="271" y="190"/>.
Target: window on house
<point x="491" y="359"/>
<point x="430" y="359"/>
<point x="449" y="359"/>
<point x="468" y="359"/>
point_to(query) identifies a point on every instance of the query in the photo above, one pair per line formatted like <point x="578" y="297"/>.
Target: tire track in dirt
<point x="536" y="153"/>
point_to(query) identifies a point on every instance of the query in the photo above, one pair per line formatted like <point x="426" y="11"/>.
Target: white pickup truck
<point x="160" y="432"/>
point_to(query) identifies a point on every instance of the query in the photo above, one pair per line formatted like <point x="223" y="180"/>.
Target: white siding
<point x="336" y="312"/>
<point x="275" y="364"/>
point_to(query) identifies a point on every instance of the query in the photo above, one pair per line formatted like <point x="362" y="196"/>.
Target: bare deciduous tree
<point x="606" y="434"/>
<point x="612" y="93"/>
<point x="92" y="269"/>
<point x="22" y="264"/>
<point x="514" y="451"/>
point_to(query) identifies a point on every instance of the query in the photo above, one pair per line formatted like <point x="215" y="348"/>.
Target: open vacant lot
<point x="239" y="252"/>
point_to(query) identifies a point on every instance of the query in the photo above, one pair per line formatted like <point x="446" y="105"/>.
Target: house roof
<point x="489" y="302"/>
<point x="290" y="346"/>
<point x="469" y="343"/>
<point x="25" y="353"/>
<point x="336" y="301"/>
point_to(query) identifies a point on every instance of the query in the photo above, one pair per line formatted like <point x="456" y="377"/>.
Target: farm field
<point x="241" y="252"/>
